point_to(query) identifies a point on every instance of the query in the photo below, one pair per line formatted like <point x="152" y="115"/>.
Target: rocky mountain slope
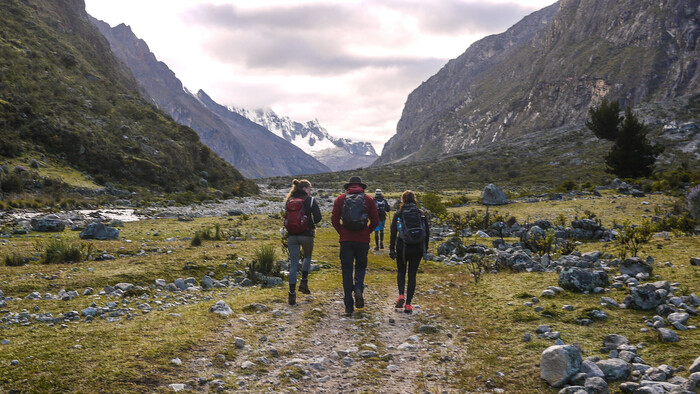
<point x="64" y="98"/>
<point x="548" y="69"/>
<point x="251" y="148"/>
<point x="337" y="153"/>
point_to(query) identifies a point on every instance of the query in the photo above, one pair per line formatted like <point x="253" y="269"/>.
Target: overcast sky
<point x="348" y="63"/>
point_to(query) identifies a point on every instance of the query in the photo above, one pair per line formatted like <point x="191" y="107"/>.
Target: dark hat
<point x="355" y="180"/>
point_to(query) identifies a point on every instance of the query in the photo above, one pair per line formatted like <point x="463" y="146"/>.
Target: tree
<point x="632" y="155"/>
<point x="605" y="120"/>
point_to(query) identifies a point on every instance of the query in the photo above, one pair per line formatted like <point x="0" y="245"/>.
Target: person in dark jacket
<point x="407" y="255"/>
<point x="382" y="208"/>
<point x="305" y="241"/>
<point x="354" y="244"/>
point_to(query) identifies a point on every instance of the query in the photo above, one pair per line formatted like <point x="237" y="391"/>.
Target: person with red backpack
<point x="302" y="213"/>
<point x="354" y="218"/>
<point x="410" y="233"/>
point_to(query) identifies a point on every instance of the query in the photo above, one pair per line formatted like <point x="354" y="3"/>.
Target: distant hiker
<point x="354" y="218"/>
<point x="382" y="208"/>
<point x="301" y="215"/>
<point x="410" y="233"/>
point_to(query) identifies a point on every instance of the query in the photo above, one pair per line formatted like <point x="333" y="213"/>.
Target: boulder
<point x="99" y="231"/>
<point x="493" y="195"/>
<point x="559" y="363"/>
<point x="614" y="341"/>
<point x="48" y="225"/>
<point x="581" y="280"/>
<point x="666" y="335"/>
<point x="645" y="297"/>
<point x="614" y="369"/>
<point x="695" y="367"/>
<point x="635" y="265"/>
<point x="221" y="308"/>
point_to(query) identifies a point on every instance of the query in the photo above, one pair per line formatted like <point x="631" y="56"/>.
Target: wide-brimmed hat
<point x="355" y="180"/>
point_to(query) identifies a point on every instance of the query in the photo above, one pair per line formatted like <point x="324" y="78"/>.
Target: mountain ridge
<point x="547" y="70"/>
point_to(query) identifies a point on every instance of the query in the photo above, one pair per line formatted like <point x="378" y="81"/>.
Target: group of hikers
<point x="355" y="217"/>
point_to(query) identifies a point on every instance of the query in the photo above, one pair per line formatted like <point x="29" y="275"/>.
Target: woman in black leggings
<point x="410" y="234"/>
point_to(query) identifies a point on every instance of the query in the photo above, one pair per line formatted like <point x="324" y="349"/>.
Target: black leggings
<point x="413" y="257"/>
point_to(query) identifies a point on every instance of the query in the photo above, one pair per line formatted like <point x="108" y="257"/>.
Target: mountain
<point x="337" y="153"/>
<point x="547" y="70"/>
<point x="251" y="148"/>
<point x="65" y="98"/>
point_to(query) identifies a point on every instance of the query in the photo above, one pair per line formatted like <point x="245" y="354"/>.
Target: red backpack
<point x="295" y="219"/>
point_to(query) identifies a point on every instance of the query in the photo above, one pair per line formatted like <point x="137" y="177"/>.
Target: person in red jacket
<point x="354" y="218"/>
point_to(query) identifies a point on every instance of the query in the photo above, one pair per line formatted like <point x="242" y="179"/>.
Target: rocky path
<point x="313" y="347"/>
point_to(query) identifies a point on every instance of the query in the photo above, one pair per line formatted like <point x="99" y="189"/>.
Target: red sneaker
<point x="408" y="309"/>
<point x="399" y="302"/>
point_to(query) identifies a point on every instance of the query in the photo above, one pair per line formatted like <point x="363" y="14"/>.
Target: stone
<point x="614" y="369"/>
<point x="590" y="368"/>
<point x="629" y="387"/>
<point x="645" y="297"/>
<point x="635" y="265"/>
<point x="177" y="387"/>
<point x="596" y="385"/>
<point x="99" y="231"/>
<point x="695" y="367"/>
<point x="695" y="261"/>
<point x="221" y="308"/>
<point x="493" y="195"/>
<point x="207" y="282"/>
<point x="678" y="317"/>
<point x="559" y="363"/>
<point x="614" y="341"/>
<point x="581" y="280"/>
<point x="666" y="335"/>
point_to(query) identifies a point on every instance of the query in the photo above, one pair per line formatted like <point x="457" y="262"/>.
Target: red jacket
<point x="357" y="235"/>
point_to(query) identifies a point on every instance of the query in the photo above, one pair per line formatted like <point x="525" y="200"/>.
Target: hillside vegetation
<point x="65" y="100"/>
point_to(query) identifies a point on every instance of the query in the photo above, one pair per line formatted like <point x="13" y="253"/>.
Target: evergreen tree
<point x="605" y="120"/>
<point x="632" y="155"/>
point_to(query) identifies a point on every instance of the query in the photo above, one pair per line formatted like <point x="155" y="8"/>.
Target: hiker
<point x="301" y="215"/>
<point x="410" y="234"/>
<point x="354" y="218"/>
<point x="382" y="208"/>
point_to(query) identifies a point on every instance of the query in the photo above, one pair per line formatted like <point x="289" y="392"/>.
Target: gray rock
<point x="695" y="261"/>
<point x="493" y="195"/>
<point x="161" y="283"/>
<point x="99" y="231"/>
<point x="629" y="387"/>
<point x="614" y="341"/>
<point x="559" y="363"/>
<point x="635" y="265"/>
<point x="580" y="280"/>
<point x="591" y="369"/>
<point x="573" y="390"/>
<point x="695" y="367"/>
<point x="221" y="308"/>
<point x="596" y="385"/>
<point x="48" y="224"/>
<point x="427" y="329"/>
<point x="240" y="342"/>
<point x="666" y="335"/>
<point x="124" y="286"/>
<point x="678" y="317"/>
<point x="645" y="297"/>
<point x="180" y="283"/>
<point x="614" y="369"/>
<point x="207" y="282"/>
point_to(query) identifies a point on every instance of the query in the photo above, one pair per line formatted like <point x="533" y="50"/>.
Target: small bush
<point x="14" y="260"/>
<point x="196" y="240"/>
<point x="58" y="252"/>
<point x="263" y="262"/>
<point x="432" y="203"/>
<point x="631" y="238"/>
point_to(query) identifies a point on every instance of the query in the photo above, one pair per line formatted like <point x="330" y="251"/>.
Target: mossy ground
<point x="485" y="320"/>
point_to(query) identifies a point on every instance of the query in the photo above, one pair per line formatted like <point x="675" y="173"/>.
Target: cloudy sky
<point x="348" y="63"/>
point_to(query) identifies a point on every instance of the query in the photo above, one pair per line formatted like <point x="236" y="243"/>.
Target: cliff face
<point x="63" y="94"/>
<point x="254" y="150"/>
<point x="547" y="70"/>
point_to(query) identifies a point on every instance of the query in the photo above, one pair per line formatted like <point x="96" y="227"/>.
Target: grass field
<point x="483" y="323"/>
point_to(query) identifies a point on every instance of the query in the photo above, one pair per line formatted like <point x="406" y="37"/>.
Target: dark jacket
<point x="396" y="243"/>
<point x="381" y="201"/>
<point x="311" y="209"/>
<point x="370" y="208"/>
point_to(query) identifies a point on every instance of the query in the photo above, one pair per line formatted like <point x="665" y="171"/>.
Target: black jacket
<point x="381" y="201"/>
<point x="312" y="210"/>
<point x="396" y="243"/>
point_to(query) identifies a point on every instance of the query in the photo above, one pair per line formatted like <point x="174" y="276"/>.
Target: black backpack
<point x="381" y="208"/>
<point x="354" y="212"/>
<point x="412" y="230"/>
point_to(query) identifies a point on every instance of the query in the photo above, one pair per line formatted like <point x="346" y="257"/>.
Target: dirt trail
<point x="313" y="347"/>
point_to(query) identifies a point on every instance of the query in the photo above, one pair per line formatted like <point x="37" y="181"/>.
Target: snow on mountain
<point x="312" y="138"/>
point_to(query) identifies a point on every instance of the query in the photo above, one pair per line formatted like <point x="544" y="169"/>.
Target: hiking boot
<point x="349" y="310"/>
<point x="292" y="298"/>
<point x="376" y="248"/>
<point x="359" y="299"/>
<point x="408" y="308"/>
<point x="304" y="286"/>
<point x="399" y="302"/>
<point x="381" y="246"/>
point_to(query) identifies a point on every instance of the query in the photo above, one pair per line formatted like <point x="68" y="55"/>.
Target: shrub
<point x="263" y="262"/>
<point x="433" y="204"/>
<point x="58" y="251"/>
<point x="14" y="260"/>
<point x="12" y="183"/>
<point x="631" y="238"/>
